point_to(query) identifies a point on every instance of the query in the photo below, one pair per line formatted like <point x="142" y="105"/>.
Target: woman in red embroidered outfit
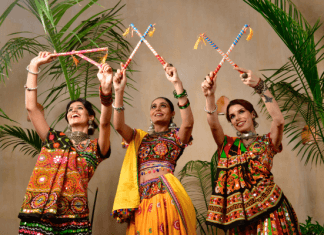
<point x="245" y="199"/>
<point x="152" y="200"/>
<point x="56" y="198"/>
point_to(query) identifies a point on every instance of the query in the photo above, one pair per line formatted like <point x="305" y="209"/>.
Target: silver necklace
<point x="78" y="136"/>
<point x="246" y="136"/>
<point x="159" y="133"/>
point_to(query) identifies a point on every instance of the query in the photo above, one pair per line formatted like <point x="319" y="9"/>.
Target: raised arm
<point x="183" y="103"/>
<point x="278" y="122"/>
<point x="120" y="81"/>
<point x="209" y="87"/>
<point x="105" y="77"/>
<point x="36" y="116"/>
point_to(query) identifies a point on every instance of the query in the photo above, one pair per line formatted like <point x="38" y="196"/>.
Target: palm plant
<point x="68" y="81"/>
<point x="297" y="85"/>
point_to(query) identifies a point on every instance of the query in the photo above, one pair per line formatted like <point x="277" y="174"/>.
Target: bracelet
<point x="119" y="109"/>
<point x="186" y="105"/>
<point x="106" y="100"/>
<point x="30" y="89"/>
<point x="39" y="70"/>
<point x="184" y="93"/>
<point x="261" y="87"/>
<point x="211" y="112"/>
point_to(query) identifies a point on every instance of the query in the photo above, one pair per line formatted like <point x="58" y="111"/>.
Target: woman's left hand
<point x="251" y="80"/>
<point x="105" y="75"/>
<point x="171" y="73"/>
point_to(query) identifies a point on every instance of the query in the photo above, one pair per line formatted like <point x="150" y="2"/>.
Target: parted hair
<point x="88" y="107"/>
<point x="246" y="104"/>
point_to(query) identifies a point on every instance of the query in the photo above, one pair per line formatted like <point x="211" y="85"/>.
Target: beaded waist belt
<point x="153" y="166"/>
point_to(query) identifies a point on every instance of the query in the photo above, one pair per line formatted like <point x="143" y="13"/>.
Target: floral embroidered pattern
<point x="244" y="188"/>
<point x="60" y="170"/>
<point x="151" y="188"/>
<point x="160" y="151"/>
<point x="176" y="225"/>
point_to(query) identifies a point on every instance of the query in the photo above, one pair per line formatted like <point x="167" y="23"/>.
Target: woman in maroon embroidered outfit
<point x="155" y="202"/>
<point x="245" y="199"/>
<point x="56" y="198"/>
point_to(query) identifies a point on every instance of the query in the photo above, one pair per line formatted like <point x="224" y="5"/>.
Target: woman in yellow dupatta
<point x="148" y="196"/>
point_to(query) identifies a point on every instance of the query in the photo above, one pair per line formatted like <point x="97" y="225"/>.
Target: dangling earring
<point x="255" y="124"/>
<point x="151" y="127"/>
<point x="172" y="124"/>
<point x="91" y="127"/>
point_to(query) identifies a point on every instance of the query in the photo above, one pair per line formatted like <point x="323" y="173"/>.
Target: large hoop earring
<point x="151" y="127"/>
<point x="172" y="124"/>
<point x="91" y="127"/>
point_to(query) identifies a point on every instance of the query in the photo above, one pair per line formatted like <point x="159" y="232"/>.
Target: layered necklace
<point x="78" y="137"/>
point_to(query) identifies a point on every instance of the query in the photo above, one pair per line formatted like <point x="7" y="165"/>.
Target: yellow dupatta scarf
<point x="127" y="197"/>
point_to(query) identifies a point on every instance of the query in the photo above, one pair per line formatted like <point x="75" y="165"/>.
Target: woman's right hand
<point x="120" y="79"/>
<point x="208" y="86"/>
<point x="43" y="57"/>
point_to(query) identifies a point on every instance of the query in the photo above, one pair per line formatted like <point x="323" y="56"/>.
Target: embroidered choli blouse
<point x="58" y="185"/>
<point x="159" y="152"/>
<point x="244" y="188"/>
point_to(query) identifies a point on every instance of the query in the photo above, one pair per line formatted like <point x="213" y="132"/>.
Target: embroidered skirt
<point x="165" y="208"/>
<point x="282" y="221"/>
<point x="47" y="227"/>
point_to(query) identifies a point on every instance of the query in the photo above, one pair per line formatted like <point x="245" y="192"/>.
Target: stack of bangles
<point x="106" y="100"/>
<point x="183" y="94"/>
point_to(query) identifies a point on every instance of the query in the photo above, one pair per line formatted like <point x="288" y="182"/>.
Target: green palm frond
<point x="297" y="86"/>
<point x="13" y="136"/>
<point x="103" y="29"/>
<point x="15" y="49"/>
<point x="196" y="179"/>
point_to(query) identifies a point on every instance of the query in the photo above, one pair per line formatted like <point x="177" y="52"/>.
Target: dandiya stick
<point x="148" y="44"/>
<point x="81" y="52"/>
<point x="231" y="48"/>
<point x="89" y="60"/>
<point x="218" y="50"/>
<point x="136" y="48"/>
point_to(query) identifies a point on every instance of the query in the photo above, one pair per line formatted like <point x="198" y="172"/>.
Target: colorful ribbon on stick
<point x="203" y="36"/>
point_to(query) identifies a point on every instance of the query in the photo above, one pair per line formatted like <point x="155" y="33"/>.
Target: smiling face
<point x="78" y="115"/>
<point x="160" y="112"/>
<point x="241" y="118"/>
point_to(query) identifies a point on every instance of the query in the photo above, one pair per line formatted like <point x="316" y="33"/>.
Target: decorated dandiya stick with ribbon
<point x="148" y="45"/>
<point x="81" y="52"/>
<point x="202" y="37"/>
<point x="89" y="60"/>
<point x="137" y="46"/>
<point x="218" y="49"/>
<point x="232" y="46"/>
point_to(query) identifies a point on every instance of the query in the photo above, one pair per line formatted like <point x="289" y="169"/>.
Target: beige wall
<point x="178" y="23"/>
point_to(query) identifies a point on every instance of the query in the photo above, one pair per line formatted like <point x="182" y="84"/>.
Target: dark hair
<point x="167" y="100"/>
<point x="88" y="107"/>
<point x="246" y="104"/>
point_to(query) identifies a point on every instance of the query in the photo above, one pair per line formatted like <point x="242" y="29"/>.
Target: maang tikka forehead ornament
<point x="203" y="37"/>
